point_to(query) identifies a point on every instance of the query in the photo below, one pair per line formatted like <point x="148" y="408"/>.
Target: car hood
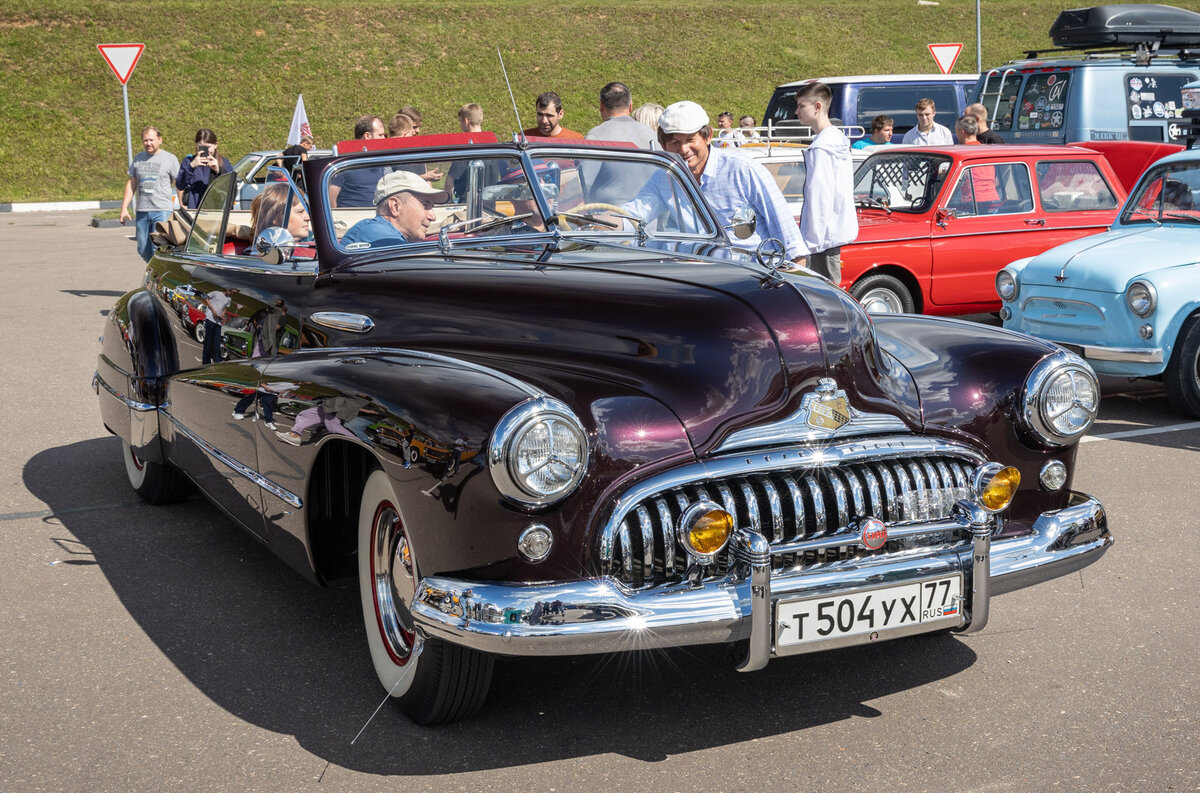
<point x="1107" y="262"/>
<point x="876" y="225"/>
<point x="721" y="342"/>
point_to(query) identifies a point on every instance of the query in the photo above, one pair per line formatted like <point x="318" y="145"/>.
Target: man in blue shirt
<point x="728" y="180"/>
<point x="403" y="211"/>
<point x="353" y="187"/>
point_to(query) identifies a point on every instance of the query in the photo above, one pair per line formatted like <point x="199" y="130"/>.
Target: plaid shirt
<point x="731" y="181"/>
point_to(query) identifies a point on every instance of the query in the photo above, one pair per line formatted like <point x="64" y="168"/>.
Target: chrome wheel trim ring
<point x="392" y="582"/>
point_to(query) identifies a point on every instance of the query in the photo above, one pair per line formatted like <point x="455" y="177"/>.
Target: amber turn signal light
<point x="704" y="529"/>
<point x="997" y="486"/>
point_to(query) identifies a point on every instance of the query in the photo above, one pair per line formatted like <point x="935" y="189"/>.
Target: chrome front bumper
<point x="600" y="615"/>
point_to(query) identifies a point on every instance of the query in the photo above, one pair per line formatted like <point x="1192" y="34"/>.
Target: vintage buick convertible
<point x="569" y="417"/>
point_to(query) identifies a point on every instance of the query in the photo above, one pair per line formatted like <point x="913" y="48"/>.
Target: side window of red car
<point x="1073" y="186"/>
<point x="993" y="190"/>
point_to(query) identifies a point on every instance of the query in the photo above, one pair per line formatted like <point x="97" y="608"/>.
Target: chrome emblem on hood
<point x="826" y="408"/>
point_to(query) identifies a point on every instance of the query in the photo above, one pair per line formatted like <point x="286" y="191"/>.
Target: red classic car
<point x="936" y="223"/>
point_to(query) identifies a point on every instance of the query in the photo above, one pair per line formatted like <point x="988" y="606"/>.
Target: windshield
<point x="904" y="182"/>
<point x="399" y="199"/>
<point x="1169" y="193"/>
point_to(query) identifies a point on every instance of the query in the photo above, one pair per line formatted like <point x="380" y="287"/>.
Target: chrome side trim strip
<point x="1123" y="354"/>
<point x="236" y="466"/>
<point x="130" y="403"/>
<point x="343" y="320"/>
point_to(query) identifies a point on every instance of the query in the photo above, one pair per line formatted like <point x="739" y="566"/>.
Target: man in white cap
<point x="403" y="211"/>
<point x="728" y="180"/>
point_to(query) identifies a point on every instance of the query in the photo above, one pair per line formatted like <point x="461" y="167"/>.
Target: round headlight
<point x="1141" y="298"/>
<point x="1061" y="399"/>
<point x="1006" y="285"/>
<point x="538" y="452"/>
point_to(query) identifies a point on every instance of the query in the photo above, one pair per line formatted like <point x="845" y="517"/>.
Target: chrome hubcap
<point x="393" y="583"/>
<point x="882" y="301"/>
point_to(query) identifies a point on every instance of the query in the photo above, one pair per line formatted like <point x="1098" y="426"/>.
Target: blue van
<point x="1122" y="78"/>
<point x="858" y="99"/>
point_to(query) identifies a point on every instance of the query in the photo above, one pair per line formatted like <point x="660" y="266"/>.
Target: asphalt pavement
<point x="162" y="649"/>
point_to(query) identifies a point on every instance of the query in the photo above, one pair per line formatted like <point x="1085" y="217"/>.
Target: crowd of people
<point x="729" y="181"/>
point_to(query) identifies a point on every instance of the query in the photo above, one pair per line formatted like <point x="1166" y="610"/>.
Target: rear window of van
<point x="900" y="102"/>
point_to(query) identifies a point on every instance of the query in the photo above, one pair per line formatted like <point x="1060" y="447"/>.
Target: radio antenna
<point x="512" y="98"/>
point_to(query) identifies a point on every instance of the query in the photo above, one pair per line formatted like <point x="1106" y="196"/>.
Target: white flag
<point x="300" y="125"/>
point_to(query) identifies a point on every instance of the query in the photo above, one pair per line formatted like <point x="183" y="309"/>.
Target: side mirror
<point x="945" y="213"/>
<point x="274" y="244"/>
<point x="744" y="223"/>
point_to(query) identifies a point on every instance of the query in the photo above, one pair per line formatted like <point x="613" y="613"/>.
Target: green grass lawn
<point x="237" y="67"/>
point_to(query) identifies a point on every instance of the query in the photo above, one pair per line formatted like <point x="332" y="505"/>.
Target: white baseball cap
<point x="683" y="117"/>
<point x="406" y="181"/>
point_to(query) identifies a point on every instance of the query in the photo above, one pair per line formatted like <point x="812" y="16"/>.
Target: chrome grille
<point x="787" y="506"/>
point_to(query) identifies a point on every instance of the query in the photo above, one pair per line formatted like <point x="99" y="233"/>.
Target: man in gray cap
<point x="728" y="180"/>
<point x="403" y="211"/>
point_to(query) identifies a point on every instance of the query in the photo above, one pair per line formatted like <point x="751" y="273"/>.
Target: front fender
<point x="136" y="356"/>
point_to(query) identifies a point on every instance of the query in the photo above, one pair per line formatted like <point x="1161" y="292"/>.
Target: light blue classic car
<point x="1127" y="300"/>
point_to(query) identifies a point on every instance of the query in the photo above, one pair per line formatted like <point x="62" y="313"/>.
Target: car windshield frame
<point x="1141" y="207"/>
<point x="916" y="204"/>
<point x="531" y="158"/>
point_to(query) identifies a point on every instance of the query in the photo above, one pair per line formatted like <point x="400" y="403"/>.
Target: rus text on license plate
<point x="824" y="618"/>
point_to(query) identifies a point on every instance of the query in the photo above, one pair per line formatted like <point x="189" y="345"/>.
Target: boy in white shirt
<point x="828" y="220"/>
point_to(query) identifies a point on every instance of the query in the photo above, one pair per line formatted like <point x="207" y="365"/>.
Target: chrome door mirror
<point x="275" y="245"/>
<point x="744" y="223"/>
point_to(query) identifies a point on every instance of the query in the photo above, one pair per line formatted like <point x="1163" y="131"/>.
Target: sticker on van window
<point x="1136" y="110"/>
<point x="1135" y="83"/>
<point x="1160" y="110"/>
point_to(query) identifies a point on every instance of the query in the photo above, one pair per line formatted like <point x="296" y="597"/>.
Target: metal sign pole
<point x="978" y="39"/>
<point x="128" y="134"/>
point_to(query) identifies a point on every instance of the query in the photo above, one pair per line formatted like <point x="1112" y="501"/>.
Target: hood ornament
<point x="827" y="408"/>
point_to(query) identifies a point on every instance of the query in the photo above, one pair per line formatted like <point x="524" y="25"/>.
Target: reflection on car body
<point x="616" y="433"/>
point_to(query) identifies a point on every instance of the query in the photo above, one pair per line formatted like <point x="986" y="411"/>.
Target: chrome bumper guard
<point x="600" y="615"/>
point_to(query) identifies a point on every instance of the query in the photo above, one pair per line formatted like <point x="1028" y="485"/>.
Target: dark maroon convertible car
<point x="565" y="415"/>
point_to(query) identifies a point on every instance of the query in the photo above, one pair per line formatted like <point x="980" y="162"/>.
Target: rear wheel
<point x="883" y="294"/>
<point x="155" y="483"/>
<point x="432" y="681"/>
<point x="1182" y="377"/>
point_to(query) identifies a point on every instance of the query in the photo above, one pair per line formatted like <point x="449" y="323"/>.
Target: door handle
<point x="1035" y="222"/>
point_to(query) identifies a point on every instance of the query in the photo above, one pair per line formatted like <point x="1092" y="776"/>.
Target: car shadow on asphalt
<point x="290" y="657"/>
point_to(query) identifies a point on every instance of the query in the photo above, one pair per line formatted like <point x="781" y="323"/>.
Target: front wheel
<point x="155" y="483"/>
<point x="432" y="681"/>
<point x="1182" y="377"/>
<point x="883" y="294"/>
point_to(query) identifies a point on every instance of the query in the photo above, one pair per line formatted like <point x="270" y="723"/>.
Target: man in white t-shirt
<point x="928" y="132"/>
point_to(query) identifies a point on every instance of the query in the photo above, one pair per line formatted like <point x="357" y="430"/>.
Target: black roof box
<point x="1100" y="26"/>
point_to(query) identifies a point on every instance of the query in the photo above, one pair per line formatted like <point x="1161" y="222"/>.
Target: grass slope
<point x="237" y="67"/>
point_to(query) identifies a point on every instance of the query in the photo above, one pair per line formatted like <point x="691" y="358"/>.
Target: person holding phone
<point x="199" y="169"/>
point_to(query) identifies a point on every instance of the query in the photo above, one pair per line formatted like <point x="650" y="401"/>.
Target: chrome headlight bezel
<point x="513" y="429"/>
<point x="1142" y="298"/>
<point x="1007" y="282"/>
<point x="1041" y="416"/>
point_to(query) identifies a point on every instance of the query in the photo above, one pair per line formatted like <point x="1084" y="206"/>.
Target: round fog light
<point x="1053" y="475"/>
<point x="1146" y="331"/>
<point x="535" y="542"/>
<point x="996" y="485"/>
<point x="704" y="529"/>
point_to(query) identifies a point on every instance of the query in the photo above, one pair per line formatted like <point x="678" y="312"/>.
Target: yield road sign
<point x="121" y="58"/>
<point x="945" y="55"/>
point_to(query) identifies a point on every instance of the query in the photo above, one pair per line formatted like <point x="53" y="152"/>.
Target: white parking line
<point x="1116" y="436"/>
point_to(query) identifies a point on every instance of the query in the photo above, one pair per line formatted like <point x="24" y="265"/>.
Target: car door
<point x="216" y="415"/>
<point x="1076" y="199"/>
<point x="984" y="220"/>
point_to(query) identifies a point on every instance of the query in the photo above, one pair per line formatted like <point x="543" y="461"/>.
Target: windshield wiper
<point x="873" y="203"/>
<point x="1147" y="213"/>
<point x="1181" y="216"/>
<point x="486" y="225"/>
<point x="598" y="221"/>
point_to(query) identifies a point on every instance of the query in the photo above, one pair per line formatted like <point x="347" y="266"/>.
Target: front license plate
<point x="821" y="619"/>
